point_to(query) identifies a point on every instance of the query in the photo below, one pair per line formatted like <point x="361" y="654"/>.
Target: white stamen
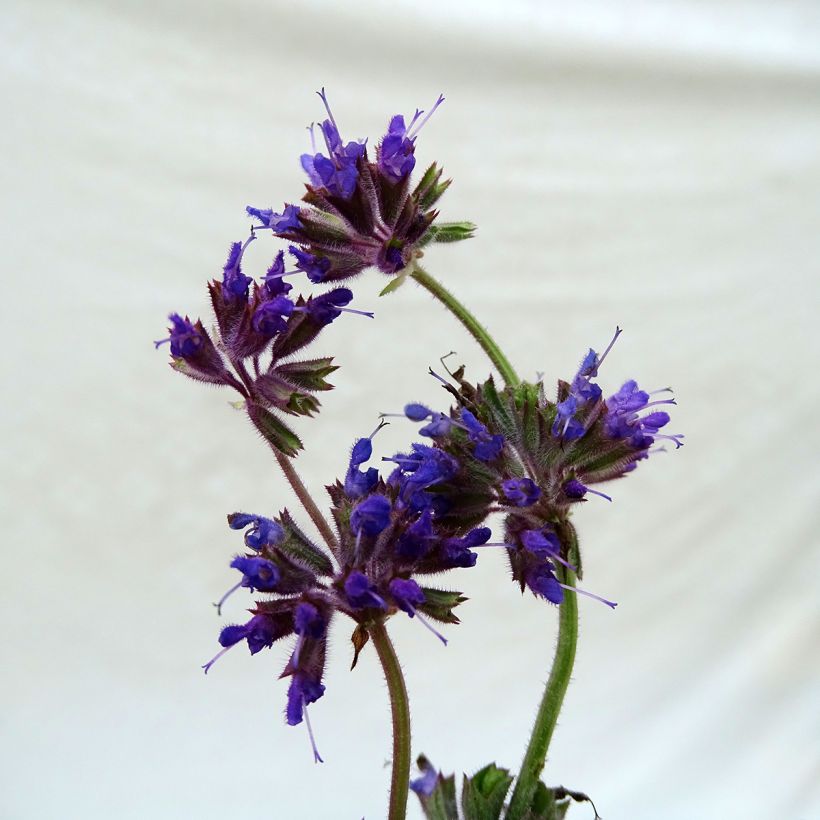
<point x="425" y="622"/>
<point x="430" y="113"/>
<point x="317" y="758"/>
<point x="600" y="360"/>
<point x="323" y="97"/>
<point x="611" y="604"/>
<point x="225" y="597"/>
<point x="216" y="657"/>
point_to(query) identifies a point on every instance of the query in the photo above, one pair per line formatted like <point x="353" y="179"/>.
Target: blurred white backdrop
<point x="650" y="165"/>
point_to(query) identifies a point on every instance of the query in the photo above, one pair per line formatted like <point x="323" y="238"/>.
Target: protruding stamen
<point x="305" y="309"/>
<point x="670" y="438"/>
<point x="418" y="113"/>
<point x="661" y="390"/>
<point x="424" y="622"/>
<point x="215" y="658"/>
<point x="317" y="758"/>
<point x="598" y="492"/>
<point x="436" y="376"/>
<point x="225" y="597"/>
<point x="610" y="604"/>
<point x="618" y="332"/>
<point x="447" y="356"/>
<point x="382" y="423"/>
<point x="415" y="131"/>
<point x="323" y="97"/>
<point x="310" y="129"/>
<point x="659" y="401"/>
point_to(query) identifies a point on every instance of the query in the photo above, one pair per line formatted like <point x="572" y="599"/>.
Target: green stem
<point x="476" y="329"/>
<point x="307" y="500"/>
<point x="550" y="706"/>
<point x="400" y="710"/>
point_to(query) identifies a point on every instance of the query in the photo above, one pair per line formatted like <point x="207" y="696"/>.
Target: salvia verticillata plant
<point x="512" y="448"/>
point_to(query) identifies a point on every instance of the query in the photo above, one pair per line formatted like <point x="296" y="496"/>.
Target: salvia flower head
<point x="535" y="459"/>
<point x="361" y="212"/>
<point x="391" y="533"/>
<point x="260" y="329"/>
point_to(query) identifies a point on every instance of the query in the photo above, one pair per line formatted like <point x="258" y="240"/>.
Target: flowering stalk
<point x="305" y="498"/>
<point x="474" y="327"/>
<point x="551" y="703"/>
<point x="400" y="711"/>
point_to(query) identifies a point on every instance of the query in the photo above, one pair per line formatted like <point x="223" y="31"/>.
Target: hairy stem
<point x="307" y="500"/>
<point x="547" y="717"/>
<point x="476" y="329"/>
<point x="400" y="710"/>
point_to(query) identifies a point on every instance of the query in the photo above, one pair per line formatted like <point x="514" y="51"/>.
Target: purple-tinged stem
<point x="306" y="500"/>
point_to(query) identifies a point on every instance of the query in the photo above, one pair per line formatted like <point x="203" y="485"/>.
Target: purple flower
<point x="259" y="573"/>
<point x="487" y="447"/>
<point x="263" y="533"/>
<point x="186" y="341"/>
<point x="542" y="581"/>
<point x="395" y="154"/>
<point x="582" y="392"/>
<point x="328" y="306"/>
<point x="371" y="516"/>
<point x="426" y="784"/>
<point x="407" y="594"/>
<point x="338" y="173"/>
<point x="361" y="593"/>
<point x="316" y="267"/>
<point x="576" y="490"/>
<point x="234" y="283"/>
<point x="457" y="550"/>
<point x="521" y="492"/>
<point x="543" y="543"/>
<point x="308" y="621"/>
<point x="358" y="482"/>
<point x="416" y="412"/>
<point x="417" y="540"/>
<point x="285" y="222"/>
<point x="303" y="690"/>
<point x="623" y="422"/>
<point x="275" y="284"/>
<point x="269" y="317"/>
<point x="260" y="632"/>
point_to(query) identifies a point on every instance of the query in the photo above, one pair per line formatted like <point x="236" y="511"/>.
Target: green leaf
<point x="482" y="795"/>
<point x="275" y="431"/>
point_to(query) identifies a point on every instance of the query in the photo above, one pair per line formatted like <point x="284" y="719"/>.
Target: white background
<point x="653" y="165"/>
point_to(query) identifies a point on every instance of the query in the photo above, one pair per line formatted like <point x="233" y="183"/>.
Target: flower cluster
<point x="257" y="320"/>
<point x="535" y="459"/>
<point x="361" y="213"/>
<point x="389" y="533"/>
